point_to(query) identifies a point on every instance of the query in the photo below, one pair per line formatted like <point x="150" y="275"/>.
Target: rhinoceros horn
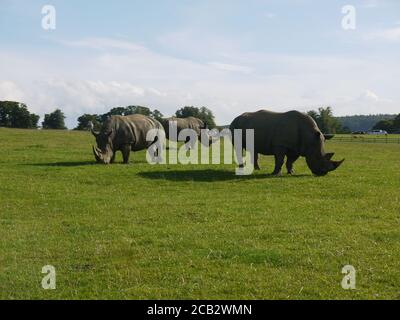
<point x="97" y="154"/>
<point x="91" y="128"/>
<point x="336" y="164"/>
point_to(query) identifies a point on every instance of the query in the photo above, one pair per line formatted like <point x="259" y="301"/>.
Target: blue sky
<point x="231" y="56"/>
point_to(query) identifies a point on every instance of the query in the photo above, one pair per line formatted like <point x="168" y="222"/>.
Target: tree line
<point x="16" y="115"/>
<point x="389" y="125"/>
<point x="364" y="122"/>
<point x="330" y="124"/>
<point x="202" y="113"/>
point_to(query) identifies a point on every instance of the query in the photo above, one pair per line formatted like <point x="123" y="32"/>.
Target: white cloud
<point x="119" y="73"/>
<point x="77" y="97"/>
<point x="103" y="43"/>
<point x="230" y="67"/>
<point x="370" y="4"/>
<point x="369" y="95"/>
<point x="10" y="91"/>
<point x="392" y="34"/>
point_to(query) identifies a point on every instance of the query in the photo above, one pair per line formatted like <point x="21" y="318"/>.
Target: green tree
<point x="344" y="130"/>
<point x="137" y="110"/>
<point x="54" y="120"/>
<point x="157" y="115"/>
<point x="314" y="114"/>
<point x="117" y="111"/>
<point x="325" y="120"/>
<point x="387" y="125"/>
<point x="83" y="121"/>
<point x="396" y="123"/>
<point x="202" y="113"/>
<point x="363" y="122"/>
<point x="16" y="115"/>
<point x="124" y="111"/>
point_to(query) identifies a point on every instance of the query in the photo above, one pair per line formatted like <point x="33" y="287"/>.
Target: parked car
<point x="378" y="132"/>
<point x="358" y="132"/>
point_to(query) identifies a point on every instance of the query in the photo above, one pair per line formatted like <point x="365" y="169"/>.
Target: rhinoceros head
<point x="318" y="161"/>
<point x="104" y="151"/>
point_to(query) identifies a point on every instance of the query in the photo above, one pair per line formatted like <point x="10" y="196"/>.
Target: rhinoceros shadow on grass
<point x="208" y="175"/>
<point x="73" y="163"/>
<point x="62" y="164"/>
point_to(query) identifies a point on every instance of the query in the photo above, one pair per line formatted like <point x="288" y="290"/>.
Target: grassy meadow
<point x="144" y="231"/>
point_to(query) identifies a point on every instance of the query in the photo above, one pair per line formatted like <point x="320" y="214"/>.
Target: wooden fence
<point x="367" y="139"/>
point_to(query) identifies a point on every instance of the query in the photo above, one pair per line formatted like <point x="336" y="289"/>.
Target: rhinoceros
<point x="125" y="134"/>
<point x="184" y="123"/>
<point x="291" y="134"/>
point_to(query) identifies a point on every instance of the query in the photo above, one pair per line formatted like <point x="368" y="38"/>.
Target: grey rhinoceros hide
<point x="291" y="134"/>
<point x="125" y="134"/>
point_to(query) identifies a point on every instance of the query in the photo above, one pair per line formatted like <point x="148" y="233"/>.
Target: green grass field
<point x="194" y="232"/>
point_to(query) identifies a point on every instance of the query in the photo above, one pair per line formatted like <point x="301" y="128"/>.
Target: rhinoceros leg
<point x="239" y="156"/>
<point x="291" y="158"/>
<point x="256" y="166"/>
<point x="279" y="160"/>
<point x="187" y="144"/>
<point x="126" y="151"/>
<point x="157" y="151"/>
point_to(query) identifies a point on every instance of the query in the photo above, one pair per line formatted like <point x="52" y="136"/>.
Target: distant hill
<point x="363" y="122"/>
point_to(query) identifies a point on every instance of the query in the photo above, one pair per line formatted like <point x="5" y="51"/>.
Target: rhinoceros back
<point x="184" y="123"/>
<point x="133" y="130"/>
<point x="291" y="129"/>
<point x="191" y="123"/>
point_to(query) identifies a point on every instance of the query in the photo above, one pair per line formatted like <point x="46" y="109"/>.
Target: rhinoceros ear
<point x="328" y="156"/>
<point x="328" y="136"/>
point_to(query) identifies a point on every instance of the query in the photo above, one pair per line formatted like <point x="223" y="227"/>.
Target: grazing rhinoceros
<point x="291" y="134"/>
<point x="184" y="123"/>
<point x="123" y="133"/>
